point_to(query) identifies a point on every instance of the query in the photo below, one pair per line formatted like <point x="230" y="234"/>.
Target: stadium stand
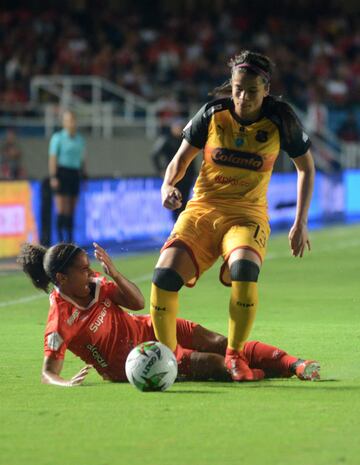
<point x="136" y="64"/>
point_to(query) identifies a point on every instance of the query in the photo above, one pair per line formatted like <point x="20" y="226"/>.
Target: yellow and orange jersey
<point x="238" y="157"/>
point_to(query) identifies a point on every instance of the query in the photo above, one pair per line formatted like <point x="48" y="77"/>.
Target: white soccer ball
<point x="151" y="366"/>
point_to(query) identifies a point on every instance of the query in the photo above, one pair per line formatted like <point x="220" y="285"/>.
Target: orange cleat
<point x="238" y="367"/>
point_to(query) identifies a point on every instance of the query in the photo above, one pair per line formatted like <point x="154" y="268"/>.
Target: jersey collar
<point x="94" y="300"/>
<point x="244" y="122"/>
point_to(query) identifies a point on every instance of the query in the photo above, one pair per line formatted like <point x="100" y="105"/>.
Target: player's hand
<point x="79" y="377"/>
<point x="105" y="260"/>
<point x="171" y="197"/>
<point x="299" y="240"/>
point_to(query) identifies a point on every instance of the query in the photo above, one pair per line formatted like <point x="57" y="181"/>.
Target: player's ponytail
<point x="224" y="90"/>
<point x="31" y="259"/>
<point x="275" y="106"/>
<point x="42" y="264"/>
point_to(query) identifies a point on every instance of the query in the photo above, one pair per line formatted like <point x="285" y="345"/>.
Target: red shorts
<point x="184" y="330"/>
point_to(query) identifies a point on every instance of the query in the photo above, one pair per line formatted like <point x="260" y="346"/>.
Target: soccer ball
<point x="151" y="366"/>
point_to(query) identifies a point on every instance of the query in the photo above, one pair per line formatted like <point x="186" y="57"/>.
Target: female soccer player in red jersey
<point x="86" y="317"/>
<point x="241" y="136"/>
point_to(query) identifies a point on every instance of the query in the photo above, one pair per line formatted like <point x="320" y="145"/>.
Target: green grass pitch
<point x="309" y="307"/>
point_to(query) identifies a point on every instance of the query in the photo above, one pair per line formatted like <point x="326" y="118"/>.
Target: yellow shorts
<point x="207" y="232"/>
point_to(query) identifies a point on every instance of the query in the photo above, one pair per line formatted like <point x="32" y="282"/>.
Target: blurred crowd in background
<point x="179" y="55"/>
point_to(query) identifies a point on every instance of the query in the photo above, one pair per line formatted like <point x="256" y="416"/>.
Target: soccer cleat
<point x="238" y="367"/>
<point x="307" y="370"/>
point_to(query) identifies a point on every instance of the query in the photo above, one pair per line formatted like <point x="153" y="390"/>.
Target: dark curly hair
<point x="42" y="264"/>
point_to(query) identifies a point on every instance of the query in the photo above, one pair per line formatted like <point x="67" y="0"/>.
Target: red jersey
<point x="101" y="334"/>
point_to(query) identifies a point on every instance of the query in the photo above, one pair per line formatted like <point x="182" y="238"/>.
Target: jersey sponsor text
<point x="236" y="158"/>
<point x="97" y="356"/>
<point x="99" y="320"/>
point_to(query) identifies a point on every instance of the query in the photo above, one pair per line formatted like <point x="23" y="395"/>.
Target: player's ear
<point x="267" y="89"/>
<point x="61" y="278"/>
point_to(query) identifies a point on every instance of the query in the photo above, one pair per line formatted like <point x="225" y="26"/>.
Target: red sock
<point x="274" y="361"/>
<point x="183" y="357"/>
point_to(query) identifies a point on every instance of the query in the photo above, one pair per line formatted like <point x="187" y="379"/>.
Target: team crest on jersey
<point x="54" y="341"/>
<point x="261" y="136"/>
<point x="240" y="138"/>
<point x="237" y="159"/>
<point x="72" y="318"/>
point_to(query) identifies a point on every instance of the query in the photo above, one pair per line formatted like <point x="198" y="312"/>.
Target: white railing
<point x="326" y="147"/>
<point x="105" y="107"/>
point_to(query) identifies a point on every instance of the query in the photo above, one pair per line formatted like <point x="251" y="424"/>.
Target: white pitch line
<point x="30" y="298"/>
<point x="145" y="277"/>
<point x="8" y="273"/>
<point x="22" y="300"/>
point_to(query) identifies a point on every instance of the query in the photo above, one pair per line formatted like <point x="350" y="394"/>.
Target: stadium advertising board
<point x="17" y="220"/>
<point x="328" y="202"/>
<point x="120" y="210"/>
<point x="129" y="210"/>
<point x="352" y="193"/>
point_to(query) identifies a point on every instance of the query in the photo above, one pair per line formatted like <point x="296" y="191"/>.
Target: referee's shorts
<point x="69" y="181"/>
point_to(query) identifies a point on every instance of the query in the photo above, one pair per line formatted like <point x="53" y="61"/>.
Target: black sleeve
<point x="296" y="142"/>
<point x="196" y="131"/>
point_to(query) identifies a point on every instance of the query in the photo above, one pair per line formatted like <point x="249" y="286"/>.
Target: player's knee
<point x="167" y="279"/>
<point x="205" y="366"/>
<point x="244" y="270"/>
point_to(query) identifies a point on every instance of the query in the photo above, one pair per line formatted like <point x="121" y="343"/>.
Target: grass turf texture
<point x="309" y="307"/>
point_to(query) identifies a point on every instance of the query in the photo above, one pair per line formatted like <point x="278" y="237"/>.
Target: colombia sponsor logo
<point x="237" y="159"/>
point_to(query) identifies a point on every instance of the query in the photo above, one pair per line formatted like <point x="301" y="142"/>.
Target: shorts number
<point x="260" y="236"/>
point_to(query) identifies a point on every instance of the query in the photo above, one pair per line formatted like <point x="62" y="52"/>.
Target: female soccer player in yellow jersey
<point x="240" y="136"/>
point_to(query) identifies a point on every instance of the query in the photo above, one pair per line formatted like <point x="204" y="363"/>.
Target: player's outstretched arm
<point x="51" y="373"/>
<point x="171" y="196"/>
<point x="128" y="294"/>
<point x="298" y="235"/>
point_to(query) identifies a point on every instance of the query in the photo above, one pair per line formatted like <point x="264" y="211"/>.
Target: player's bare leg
<point x="204" y="340"/>
<point x="208" y="366"/>
<point x="209" y="360"/>
<point x="61" y="212"/>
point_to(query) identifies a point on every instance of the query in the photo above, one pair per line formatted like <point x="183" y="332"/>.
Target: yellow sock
<point x="163" y="310"/>
<point x="242" y="311"/>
